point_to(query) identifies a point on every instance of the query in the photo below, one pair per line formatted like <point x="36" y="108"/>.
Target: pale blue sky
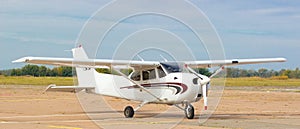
<point x="248" y="29"/>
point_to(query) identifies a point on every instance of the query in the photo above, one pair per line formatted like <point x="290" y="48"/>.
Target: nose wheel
<point x="189" y="111"/>
<point x="128" y="112"/>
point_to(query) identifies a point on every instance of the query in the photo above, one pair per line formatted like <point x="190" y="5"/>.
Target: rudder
<point x="86" y="75"/>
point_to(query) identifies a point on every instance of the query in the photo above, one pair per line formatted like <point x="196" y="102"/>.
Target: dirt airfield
<point x="26" y="107"/>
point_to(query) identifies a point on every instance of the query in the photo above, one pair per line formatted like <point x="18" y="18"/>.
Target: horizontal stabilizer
<point x="53" y="87"/>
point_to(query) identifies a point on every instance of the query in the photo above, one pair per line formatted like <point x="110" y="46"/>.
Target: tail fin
<point x="85" y="76"/>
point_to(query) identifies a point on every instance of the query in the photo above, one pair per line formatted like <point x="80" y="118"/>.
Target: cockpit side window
<point x="149" y="74"/>
<point x="136" y="76"/>
<point x="152" y="74"/>
<point x="161" y="72"/>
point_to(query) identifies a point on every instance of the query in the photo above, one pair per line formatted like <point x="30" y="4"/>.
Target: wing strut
<point x="140" y="86"/>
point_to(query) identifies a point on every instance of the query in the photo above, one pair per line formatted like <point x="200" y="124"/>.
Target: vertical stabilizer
<point x="85" y="76"/>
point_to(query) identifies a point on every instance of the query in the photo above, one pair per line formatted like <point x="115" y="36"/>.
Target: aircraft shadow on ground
<point x="249" y="115"/>
<point x="149" y="114"/>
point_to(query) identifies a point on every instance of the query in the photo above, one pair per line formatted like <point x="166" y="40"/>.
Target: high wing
<point x="93" y="63"/>
<point x="106" y="63"/>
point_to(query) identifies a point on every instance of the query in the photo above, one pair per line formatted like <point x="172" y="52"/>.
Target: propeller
<point x="204" y="85"/>
<point x="204" y="82"/>
<point x="204" y="93"/>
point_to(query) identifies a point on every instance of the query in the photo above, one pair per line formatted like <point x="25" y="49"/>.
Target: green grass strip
<point x="23" y="80"/>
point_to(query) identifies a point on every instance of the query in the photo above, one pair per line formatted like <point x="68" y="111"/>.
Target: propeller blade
<point x="217" y="72"/>
<point x="204" y="96"/>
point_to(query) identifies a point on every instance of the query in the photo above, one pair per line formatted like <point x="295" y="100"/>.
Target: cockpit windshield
<point x="172" y="67"/>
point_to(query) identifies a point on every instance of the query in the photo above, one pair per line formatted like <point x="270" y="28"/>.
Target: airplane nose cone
<point x="201" y="81"/>
<point x="204" y="80"/>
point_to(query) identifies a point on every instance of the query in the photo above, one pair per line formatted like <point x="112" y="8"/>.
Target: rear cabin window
<point x="149" y="74"/>
<point x="136" y="76"/>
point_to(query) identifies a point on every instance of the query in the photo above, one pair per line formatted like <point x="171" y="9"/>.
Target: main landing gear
<point x="128" y="112"/>
<point x="188" y="110"/>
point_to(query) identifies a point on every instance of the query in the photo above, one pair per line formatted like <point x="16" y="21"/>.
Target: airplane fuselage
<point x="173" y="88"/>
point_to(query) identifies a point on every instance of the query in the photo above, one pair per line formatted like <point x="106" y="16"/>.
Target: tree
<point x="232" y="72"/>
<point x="203" y="71"/>
<point x="297" y="73"/>
<point x="54" y="71"/>
<point x="263" y="73"/>
<point x="16" y="72"/>
<point x="30" y="70"/>
<point x="59" y="71"/>
<point x="66" y="71"/>
<point x="252" y="73"/>
<point x="42" y="71"/>
<point x="294" y="73"/>
<point x="49" y="72"/>
<point x="286" y="73"/>
<point x="243" y="73"/>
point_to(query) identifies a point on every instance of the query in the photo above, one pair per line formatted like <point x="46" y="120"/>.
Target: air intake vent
<point x="195" y="81"/>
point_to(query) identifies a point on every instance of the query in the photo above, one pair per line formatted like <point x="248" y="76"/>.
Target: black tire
<point x="189" y="112"/>
<point x="128" y="112"/>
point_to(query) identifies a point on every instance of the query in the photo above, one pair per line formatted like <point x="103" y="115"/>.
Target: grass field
<point x="256" y="81"/>
<point x="252" y="81"/>
<point x="23" y="80"/>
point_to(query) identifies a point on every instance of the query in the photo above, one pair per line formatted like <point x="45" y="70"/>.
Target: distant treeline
<point x="263" y="73"/>
<point x="39" y="71"/>
<point x="63" y="71"/>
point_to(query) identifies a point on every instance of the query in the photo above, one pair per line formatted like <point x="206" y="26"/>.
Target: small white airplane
<point x="171" y="83"/>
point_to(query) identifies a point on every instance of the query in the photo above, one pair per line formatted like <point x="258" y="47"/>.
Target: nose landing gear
<point x="189" y="111"/>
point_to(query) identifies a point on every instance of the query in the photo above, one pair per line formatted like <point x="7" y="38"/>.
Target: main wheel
<point x="189" y="111"/>
<point x="128" y="112"/>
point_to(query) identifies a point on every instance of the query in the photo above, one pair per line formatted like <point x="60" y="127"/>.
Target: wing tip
<point x="282" y="59"/>
<point x="22" y="60"/>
